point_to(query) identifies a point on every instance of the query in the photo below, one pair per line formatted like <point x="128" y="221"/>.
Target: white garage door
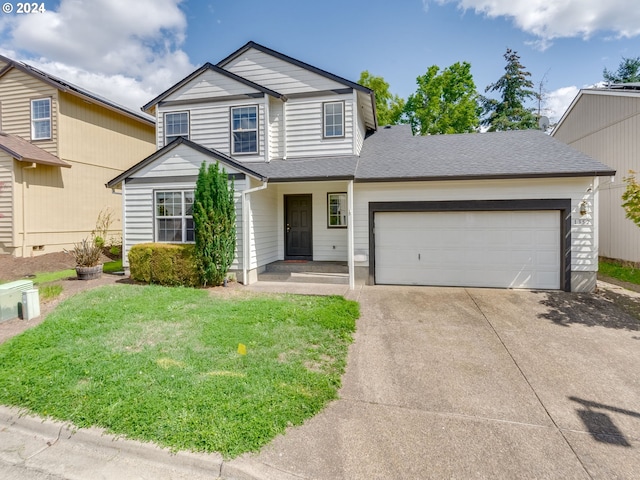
<point x="508" y="249"/>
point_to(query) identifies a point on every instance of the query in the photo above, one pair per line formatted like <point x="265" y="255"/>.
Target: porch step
<point x="307" y="267"/>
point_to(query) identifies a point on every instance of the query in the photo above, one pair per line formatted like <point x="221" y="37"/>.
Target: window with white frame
<point x="175" y="125"/>
<point x="174" y="216"/>
<point x="244" y="129"/>
<point x="333" y="119"/>
<point x="337" y="210"/>
<point x="41" y="119"/>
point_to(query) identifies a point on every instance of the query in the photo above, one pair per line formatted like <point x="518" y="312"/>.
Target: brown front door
<point x="298" y="233"/>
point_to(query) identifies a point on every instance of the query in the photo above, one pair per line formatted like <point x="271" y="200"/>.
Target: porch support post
<point x="350" y="235"/>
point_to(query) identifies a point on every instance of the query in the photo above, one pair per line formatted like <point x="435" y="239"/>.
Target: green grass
<point x="619" y="271"/>
<point x="114" y="266"/>
<point x="48" y="277"/>
<point x="49" y="291"/>
<point x="161" y="364"/>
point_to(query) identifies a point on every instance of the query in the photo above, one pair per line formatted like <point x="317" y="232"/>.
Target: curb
<point x="198" y="464"/>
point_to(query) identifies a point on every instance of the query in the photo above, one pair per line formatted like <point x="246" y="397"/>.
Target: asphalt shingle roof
<point x="307" y="169"/>
<point x="392" y="153"/>
<point x="25" y="151"/>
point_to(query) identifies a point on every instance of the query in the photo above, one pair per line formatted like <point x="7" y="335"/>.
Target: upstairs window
<point x="174" y="216"/>
<point x="41" y="119"/>
<point x="333" y="119"/>
<point x="244" y="130"/>
<point x="176" y="125"/>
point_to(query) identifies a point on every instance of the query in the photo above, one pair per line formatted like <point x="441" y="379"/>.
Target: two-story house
<point x="316" y="179"/>
<point x="59" y="144"/>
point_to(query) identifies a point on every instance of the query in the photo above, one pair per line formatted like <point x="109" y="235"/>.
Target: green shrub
<point x="214" y="221"/>
<point x="164" y="264"/>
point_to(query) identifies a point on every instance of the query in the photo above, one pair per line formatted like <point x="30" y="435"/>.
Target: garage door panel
<point x="519" y="249"/>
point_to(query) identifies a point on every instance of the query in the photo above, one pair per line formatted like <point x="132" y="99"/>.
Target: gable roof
<point x="209" y="152"/>
<point x="394" y="154"/>
<point x="298" y="63"/>
<point x="614" y="91"/>
<point x="68" y="87"/>
<point x="318" y="71"/>
<point x="217" y="69"/>
<point x="25" y="151"/>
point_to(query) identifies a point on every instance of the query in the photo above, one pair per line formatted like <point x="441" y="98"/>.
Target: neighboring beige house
<point x="605" y="124"/>
<point x="59" y="145"/>
<point x="315" y="179"/>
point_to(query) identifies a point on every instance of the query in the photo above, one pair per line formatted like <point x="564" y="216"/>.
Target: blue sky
<point x="131" y="50"/>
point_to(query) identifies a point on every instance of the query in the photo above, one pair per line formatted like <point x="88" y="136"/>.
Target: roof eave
<point x="507" y="176"/>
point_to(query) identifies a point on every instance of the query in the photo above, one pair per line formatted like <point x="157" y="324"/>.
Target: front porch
<point x="303" y="271"/>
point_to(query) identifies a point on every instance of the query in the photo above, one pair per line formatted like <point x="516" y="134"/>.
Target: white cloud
<point x="127" y="51"/>
<point x="557" y="102"/>
<point x="556" y="19"/>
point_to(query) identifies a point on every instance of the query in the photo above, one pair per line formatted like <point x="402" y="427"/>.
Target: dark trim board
<point x="563" y="205"/>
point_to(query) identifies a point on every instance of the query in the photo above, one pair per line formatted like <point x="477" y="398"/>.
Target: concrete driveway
<point x="474" y="383"/>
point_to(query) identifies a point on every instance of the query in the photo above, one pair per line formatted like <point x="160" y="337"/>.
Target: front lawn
<point x="162" y="364"/>
<point x="619" y="271"/>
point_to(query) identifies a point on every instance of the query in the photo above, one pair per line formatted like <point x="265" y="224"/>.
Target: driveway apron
<point x="471" y="383"/>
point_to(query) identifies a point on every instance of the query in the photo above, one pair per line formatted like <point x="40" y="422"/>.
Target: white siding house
<point x="315" y="179"/>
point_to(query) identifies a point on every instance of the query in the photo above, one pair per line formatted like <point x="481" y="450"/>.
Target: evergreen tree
<point x="514" y="88"/>
<point x="214" y="220"/>
<point x="628" y="71"/>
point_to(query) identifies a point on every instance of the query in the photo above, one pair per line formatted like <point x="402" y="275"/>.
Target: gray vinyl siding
<point x="208" y="85"/>
<point x="278" y="75"/>
<point x="606" y="126"/>
<point x="276" y="128"/>
<point x="210" y="126"/>
<point x="304" y="124"/>
<point x="264" y="227"/>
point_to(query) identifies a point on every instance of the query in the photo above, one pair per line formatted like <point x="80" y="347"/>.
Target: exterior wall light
<point x="584" y="208"/>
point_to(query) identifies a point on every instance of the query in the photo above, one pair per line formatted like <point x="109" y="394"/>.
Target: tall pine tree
<point x="515" y="88"/>
<point x="214" y="220"/>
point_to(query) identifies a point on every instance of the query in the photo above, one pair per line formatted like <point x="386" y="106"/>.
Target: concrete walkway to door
<point x="474" y="383"/>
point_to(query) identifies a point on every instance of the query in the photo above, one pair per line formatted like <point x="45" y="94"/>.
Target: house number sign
<point x="582" y="221"/>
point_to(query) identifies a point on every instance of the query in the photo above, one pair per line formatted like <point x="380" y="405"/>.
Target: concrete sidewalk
<point x="440" y="383"/>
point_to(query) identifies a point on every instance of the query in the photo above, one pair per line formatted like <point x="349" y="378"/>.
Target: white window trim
<point x="257" y="130"/>
<point x="34" y="121"/>
<point x="324" y="120"/>
<point x="173" y="137"/>
<point x="182" y="217"/>
<point x="343" y="215"/>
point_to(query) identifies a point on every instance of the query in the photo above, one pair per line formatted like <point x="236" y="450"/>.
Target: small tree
<point x="214" y="222"/>
<point x="631" y="198"/>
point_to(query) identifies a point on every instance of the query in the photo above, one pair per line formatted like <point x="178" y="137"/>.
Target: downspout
<point x="350" y="233"/>
<point x="246" y="237"/>
<point x="24" y="207"/>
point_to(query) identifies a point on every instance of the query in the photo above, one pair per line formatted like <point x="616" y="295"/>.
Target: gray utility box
<point x="11" y="298"/>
